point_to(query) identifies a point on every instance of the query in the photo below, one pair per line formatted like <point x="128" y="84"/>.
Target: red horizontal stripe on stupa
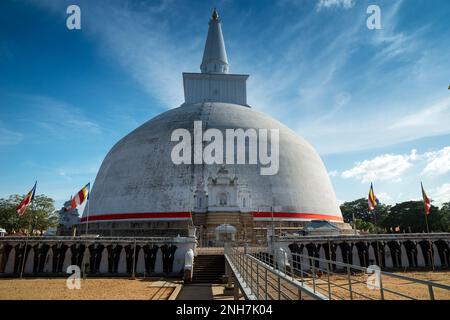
<point x="139" y="215"/>
<point x="296" y="215"/>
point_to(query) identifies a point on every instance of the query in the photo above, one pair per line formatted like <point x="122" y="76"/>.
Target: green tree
<point x="39" y="216"/>
<point x="364" y="225"/>
<point x="360" y="209"/>
<point x="445" y="216"/>
<point x="410" y="216"/>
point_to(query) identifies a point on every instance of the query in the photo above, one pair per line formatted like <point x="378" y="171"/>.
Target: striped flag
<point x="26" y="201"/>
<point x="372" y="200"/>
<point x="426" y="201"/>
<point x="80" y="197"/>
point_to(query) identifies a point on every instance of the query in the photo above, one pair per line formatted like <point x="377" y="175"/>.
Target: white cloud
<point x="59" y="118"/>
<point x="392" y="41"/>
<point x="69" y="170"/>
<point x="384" y="197"/>
<point x="138" y="37"/>
<point x="305" y="91"/>
<point x="381" y="168"/>
<point x="424" y="112"/>
<point x="333" y="173"/>
<point x="8" y="137"/>
<point x="438" y="162"/>
<point x="346" y="4"/>
<point x="343" y="98"/>
<point x="342" y="132"/>
<point x="441" y="194"/>
<point x="72" y="170"/>
<point x="426" y="118"/>
<point x="141" y="42"/>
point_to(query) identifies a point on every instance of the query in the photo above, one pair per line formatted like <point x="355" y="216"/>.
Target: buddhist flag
<point x="372" y="199"/>
<point x="426" y="201"/>
<point x="26" y="201"/>
<point x="80" y="197"/>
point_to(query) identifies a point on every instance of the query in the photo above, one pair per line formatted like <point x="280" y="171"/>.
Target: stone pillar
<point x="10" y="262"/>
<point x="388" y="257"/>
<point x="188" y="266"/>
<point x="67" y="258"/>
<point x="436" y="258"/>
<point x="29" y="264"/>
<point x="372" y="257"/>
<point x="404" y="257"/>
<point x="355" y="256"/>
<point x="339" y="257"/>
<point x="420" y="256"/>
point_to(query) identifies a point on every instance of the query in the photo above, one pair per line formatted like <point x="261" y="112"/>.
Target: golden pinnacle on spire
<point x="215" y="15"/>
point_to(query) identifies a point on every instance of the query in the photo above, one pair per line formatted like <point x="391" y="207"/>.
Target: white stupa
<point x="139" y="190"/>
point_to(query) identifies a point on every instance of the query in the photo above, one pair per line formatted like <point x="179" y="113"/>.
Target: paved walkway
<point x="203" y="291"/>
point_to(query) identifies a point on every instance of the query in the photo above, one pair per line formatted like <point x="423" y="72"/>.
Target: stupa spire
<point x="214" y="56"/>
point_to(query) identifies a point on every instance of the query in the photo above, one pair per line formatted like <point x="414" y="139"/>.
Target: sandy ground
<point x="410" y="289"/>
<point x="91" y="289"/>
<point x="140" y="289"/>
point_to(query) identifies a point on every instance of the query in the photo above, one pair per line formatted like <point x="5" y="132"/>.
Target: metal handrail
<point x="245" y="266"/>
<point x="313" y="268"/>
<point x="96" y="239"/>
<point x="379" y="237"/>
<point x="364" y="270"/>
<point x="284" y="276"/>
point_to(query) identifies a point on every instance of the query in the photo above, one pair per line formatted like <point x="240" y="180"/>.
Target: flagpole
<point x="430" y="246"/>
<point x="375" y="220"/>
<point x="32" y="214"/>
<point x="426" y="222"/>
<point x="24" y="256"/>
<point x="376" y="232"/>
<point x="354" y="222"/>
<point x="134" y="260"/>
<point x="26" y="240"/>
<point x="427" y="202"/>
<point x="273" y="228"/>
<point x="87" y="216"/>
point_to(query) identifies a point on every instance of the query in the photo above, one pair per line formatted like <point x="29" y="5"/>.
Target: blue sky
<point x="374" y="103"/>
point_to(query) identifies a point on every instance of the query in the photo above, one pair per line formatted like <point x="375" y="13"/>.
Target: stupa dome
<point x="139" y="180"/>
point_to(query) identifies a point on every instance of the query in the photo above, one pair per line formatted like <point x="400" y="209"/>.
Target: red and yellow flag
<point x="372" y="200"/>
<point x="26" y="201"/>
<point x="426" y="201"/>
<point x="80" y="197"/>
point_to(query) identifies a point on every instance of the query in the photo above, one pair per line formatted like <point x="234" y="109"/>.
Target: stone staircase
<point x="208" y="268"/>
